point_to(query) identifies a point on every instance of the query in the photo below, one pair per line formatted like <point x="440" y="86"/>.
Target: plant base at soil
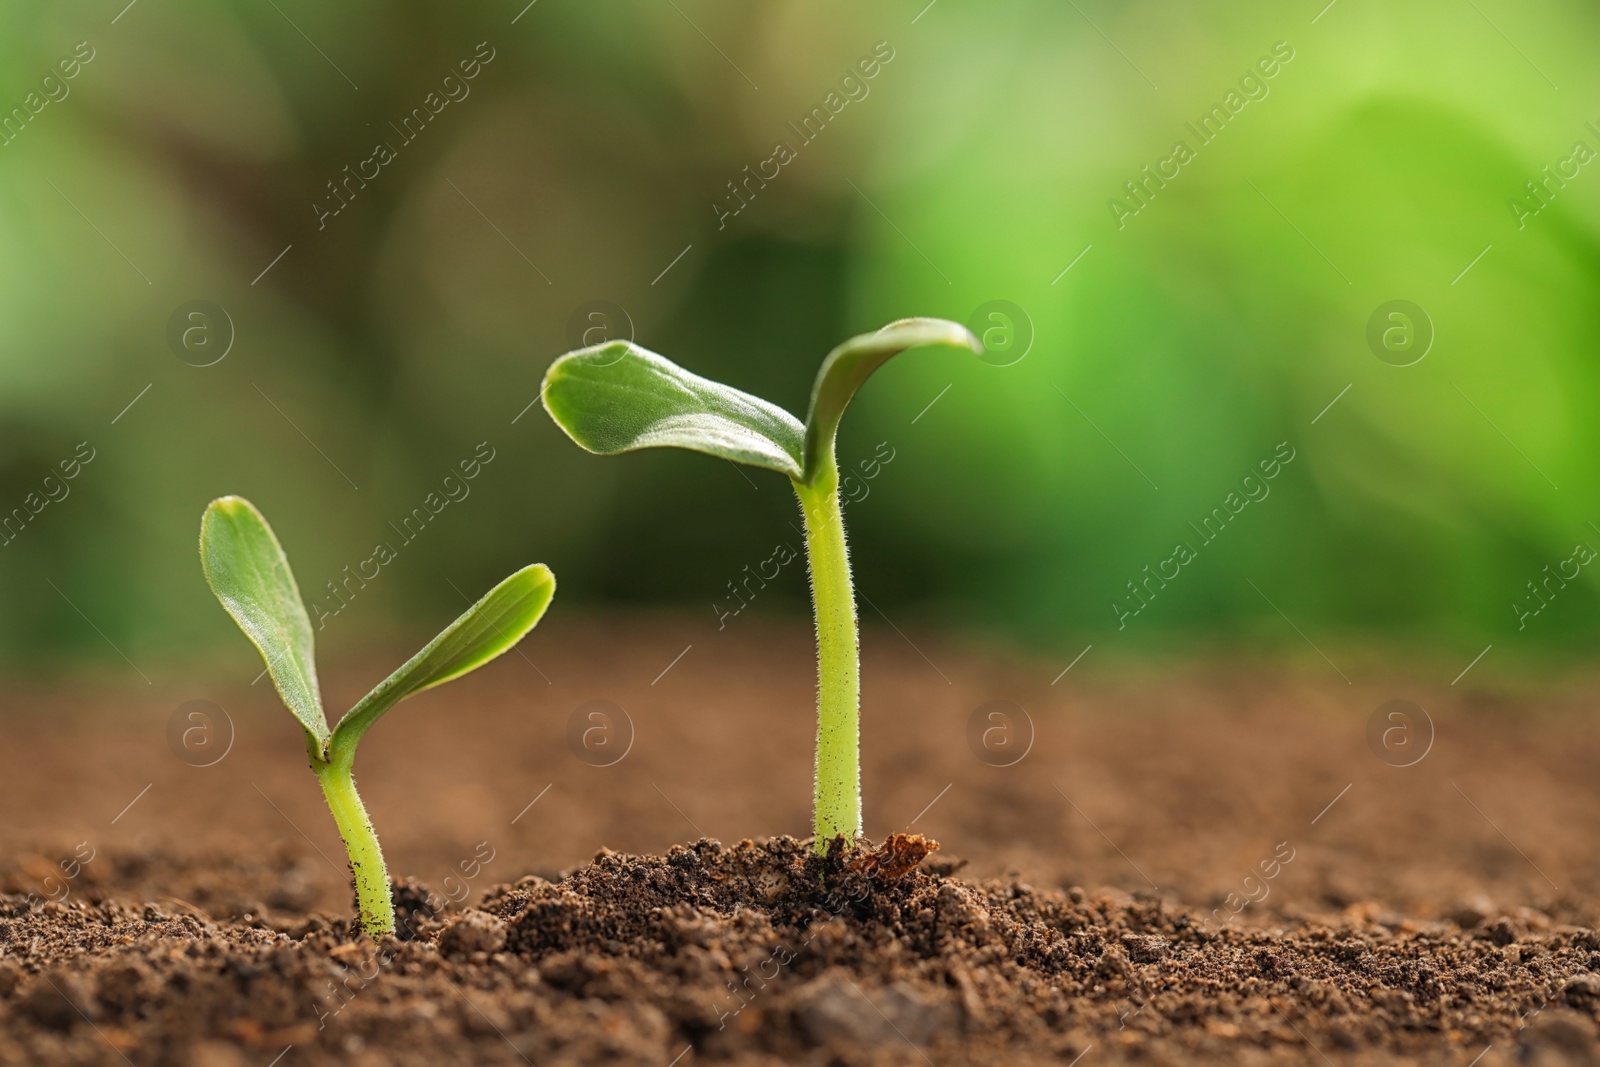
<point x="765" y="953"/>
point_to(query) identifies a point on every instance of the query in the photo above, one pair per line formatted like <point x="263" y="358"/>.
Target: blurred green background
<point x="589" y="160"/>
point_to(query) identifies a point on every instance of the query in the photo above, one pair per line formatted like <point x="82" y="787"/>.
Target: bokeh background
<point x="589" y="160"/>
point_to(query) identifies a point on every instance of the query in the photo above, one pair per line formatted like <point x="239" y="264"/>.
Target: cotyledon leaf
<point x="491" y="626"/>
<point x="852" y="363"/>
<point x="618" y="397"/>
<point x="247" y="570"/>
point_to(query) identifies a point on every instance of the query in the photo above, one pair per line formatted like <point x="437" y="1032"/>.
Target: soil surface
<point x="1218" y="865"/>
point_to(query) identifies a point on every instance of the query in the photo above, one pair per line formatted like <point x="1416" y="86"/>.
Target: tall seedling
<point x="247" y="570"/>
<point x="618" y="397"/>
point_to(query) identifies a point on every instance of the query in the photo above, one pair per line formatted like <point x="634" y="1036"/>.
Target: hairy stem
<point x="837" y="807"/>
<point x="360" y="842"/>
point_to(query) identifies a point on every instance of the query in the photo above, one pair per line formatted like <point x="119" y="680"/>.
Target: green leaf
<point x="485" y="630"/>
<point x="852" y="363"/>
<point x="247" y="570"/>
<point x="618" y="397"/>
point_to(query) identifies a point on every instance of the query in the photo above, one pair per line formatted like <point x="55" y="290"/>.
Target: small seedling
<point x="247" y="570"/>
<point x="618" y="397"/>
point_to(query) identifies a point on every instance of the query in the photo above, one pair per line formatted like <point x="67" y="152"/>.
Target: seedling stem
<point x="247" y="570"/>
<point x="617" y="397"/>
<point x="360" y="841"/>
<point x="837" y="801"/>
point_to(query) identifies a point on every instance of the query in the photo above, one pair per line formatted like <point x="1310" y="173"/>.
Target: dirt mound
<point x="765" y="953"/>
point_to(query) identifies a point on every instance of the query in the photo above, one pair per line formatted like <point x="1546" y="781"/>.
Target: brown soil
<point x="1433" y="913"/>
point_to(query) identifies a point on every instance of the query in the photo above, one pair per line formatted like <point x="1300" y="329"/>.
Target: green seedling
<point x="247" y="570"/>
<point x="618" y="397"/>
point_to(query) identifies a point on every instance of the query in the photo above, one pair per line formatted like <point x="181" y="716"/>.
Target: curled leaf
<point x="852" y="363"/>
